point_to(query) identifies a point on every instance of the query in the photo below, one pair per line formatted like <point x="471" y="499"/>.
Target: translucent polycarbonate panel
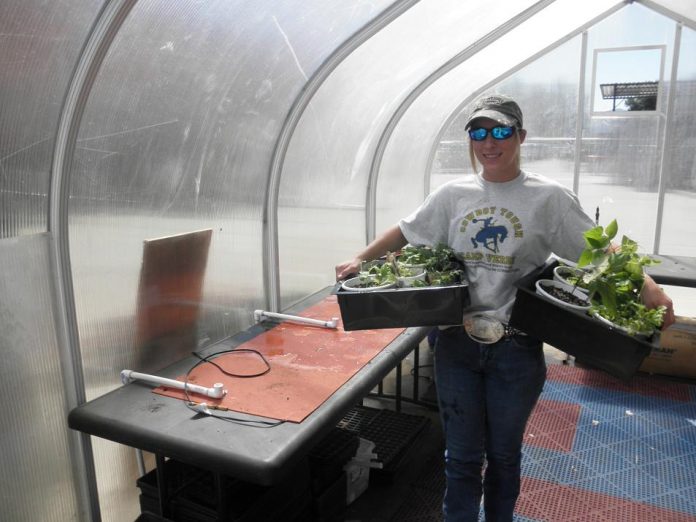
<point x="549" y="116"/>
<point x="117" y="474"/>
<point x="35" y="459"/>
<point x="619" y="175"/>
<point x="328" y="235"/>
<point x="109" y="257"/>
<point x="550" y="109"/>
<point x="677" y="236"/>
<point x="178" y="136"/>
<point x="622" y="150"/>
<point x="661" y="28"/>
<point x="330" y="155"/>
<point x="685" y="8"/>
<point x="407" y="156"/>
<point x="39" y="46"/>
<point x="621" y="153"/>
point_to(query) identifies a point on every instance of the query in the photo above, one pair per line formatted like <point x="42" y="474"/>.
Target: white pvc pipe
<point x="260" y="315"/>
<point x="216" y="392"/>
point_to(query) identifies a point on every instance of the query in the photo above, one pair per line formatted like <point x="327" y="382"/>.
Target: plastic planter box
<point x="402" y="307"/>
<point x="576" y="333"/>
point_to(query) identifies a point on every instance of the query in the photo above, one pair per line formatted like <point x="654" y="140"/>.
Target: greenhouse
<point x="179" y="177"/>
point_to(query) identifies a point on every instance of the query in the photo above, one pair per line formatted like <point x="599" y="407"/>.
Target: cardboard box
<point x="403" y="307"/>
<point x="576" y="333"/>
<point x="676" y="353"/>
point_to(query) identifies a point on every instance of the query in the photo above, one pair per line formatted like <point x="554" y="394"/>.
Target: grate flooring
<point x="596" y="449"/>
<point x="620" y="451"/>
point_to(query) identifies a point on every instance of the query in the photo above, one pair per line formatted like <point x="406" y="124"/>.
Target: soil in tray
<point x="564" y="296"/>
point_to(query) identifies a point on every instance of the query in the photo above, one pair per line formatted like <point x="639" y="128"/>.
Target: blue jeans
<point x="486" y="393"/>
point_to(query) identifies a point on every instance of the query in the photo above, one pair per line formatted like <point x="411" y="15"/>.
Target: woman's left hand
<point x="653" y="296"/>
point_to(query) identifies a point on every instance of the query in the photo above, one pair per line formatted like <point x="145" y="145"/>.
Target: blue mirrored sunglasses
<point x="498" y="133"/>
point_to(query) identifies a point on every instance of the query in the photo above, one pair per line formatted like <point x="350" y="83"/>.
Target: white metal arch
<point x="270" y="224"/>
<point x="103" y="31"/>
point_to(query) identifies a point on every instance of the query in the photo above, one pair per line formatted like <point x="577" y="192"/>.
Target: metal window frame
<point x="660" y="81"/>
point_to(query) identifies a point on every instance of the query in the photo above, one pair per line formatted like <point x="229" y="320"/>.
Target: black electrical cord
<point x="209" y="359"/>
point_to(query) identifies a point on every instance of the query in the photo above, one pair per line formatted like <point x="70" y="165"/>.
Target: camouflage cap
<point x="497" y="107"/>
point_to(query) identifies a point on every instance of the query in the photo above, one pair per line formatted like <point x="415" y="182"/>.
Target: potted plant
<point x="417" y="302"/>
<point x="615" y="279"/>
<point x="409" y="271"/>
<point x="374" y="275"/>
<point x="413" y="266"/>
<point x="570" y="276"/>
<point x="441" y="265"/>
<point x="563" y="294"/>
<point x="412" y="257"/>
<point x="411" y="277"/>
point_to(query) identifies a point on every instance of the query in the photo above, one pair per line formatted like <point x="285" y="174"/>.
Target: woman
<point x="503" y="223"/>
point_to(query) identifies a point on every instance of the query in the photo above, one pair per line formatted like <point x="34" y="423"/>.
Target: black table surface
<point x="134" y="416"/>
<point x="674" y="270"/>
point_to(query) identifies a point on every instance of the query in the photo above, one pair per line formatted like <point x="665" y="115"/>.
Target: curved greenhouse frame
<point x="294" y="132"/>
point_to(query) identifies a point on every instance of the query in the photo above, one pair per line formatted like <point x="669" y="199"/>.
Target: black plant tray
<point x="402" y="307"/>
<point x="194" y="496"/>
<point x="587" y="339"/>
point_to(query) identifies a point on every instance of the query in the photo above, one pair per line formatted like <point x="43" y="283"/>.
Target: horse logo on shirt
<point x="490" y="235"/>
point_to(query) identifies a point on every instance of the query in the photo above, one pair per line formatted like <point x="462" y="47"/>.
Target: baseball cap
<point x="497" y="107"/>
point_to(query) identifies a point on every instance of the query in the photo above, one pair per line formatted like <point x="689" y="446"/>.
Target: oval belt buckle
<point x="484" y="329"/>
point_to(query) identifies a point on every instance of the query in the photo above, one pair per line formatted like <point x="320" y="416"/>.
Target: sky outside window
<point x="625" y="65"/>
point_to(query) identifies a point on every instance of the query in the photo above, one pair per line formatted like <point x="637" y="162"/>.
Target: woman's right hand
<point x="348" y="268"/>
<point x="390" y="241"/>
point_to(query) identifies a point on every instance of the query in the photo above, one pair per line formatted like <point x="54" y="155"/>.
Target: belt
<point x="511" y="331"/>
<point x="488" y="330"/>
<point x="508" y="333"/>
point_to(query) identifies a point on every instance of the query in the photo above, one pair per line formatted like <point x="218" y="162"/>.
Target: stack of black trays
<point x="193" y="497"/>
<point x="394" y="434"/>
<point x="328" y="478"/>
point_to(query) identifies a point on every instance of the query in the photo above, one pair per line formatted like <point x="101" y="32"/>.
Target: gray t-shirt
<point x="502" y="231"/>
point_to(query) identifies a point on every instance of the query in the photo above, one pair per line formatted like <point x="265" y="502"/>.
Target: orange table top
<point x="308" y="364"/>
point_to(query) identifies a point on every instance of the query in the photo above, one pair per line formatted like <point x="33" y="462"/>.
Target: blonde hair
<point x="472" y="157"/>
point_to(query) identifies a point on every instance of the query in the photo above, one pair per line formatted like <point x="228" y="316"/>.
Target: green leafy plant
<point x="443" y="259"/>
<point x="412" y="255"/>
<point x="406" y="271"/>
<point x="440" y="262"/>
<point x="573" y="276"/>
<point x="615" y="279"/>
<point x="443" y="278"/>
<point x="376" y="274"/>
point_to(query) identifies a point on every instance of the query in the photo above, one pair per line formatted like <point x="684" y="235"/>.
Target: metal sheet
<point x="307" y="365"/>
<point x="169" y="297"/>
